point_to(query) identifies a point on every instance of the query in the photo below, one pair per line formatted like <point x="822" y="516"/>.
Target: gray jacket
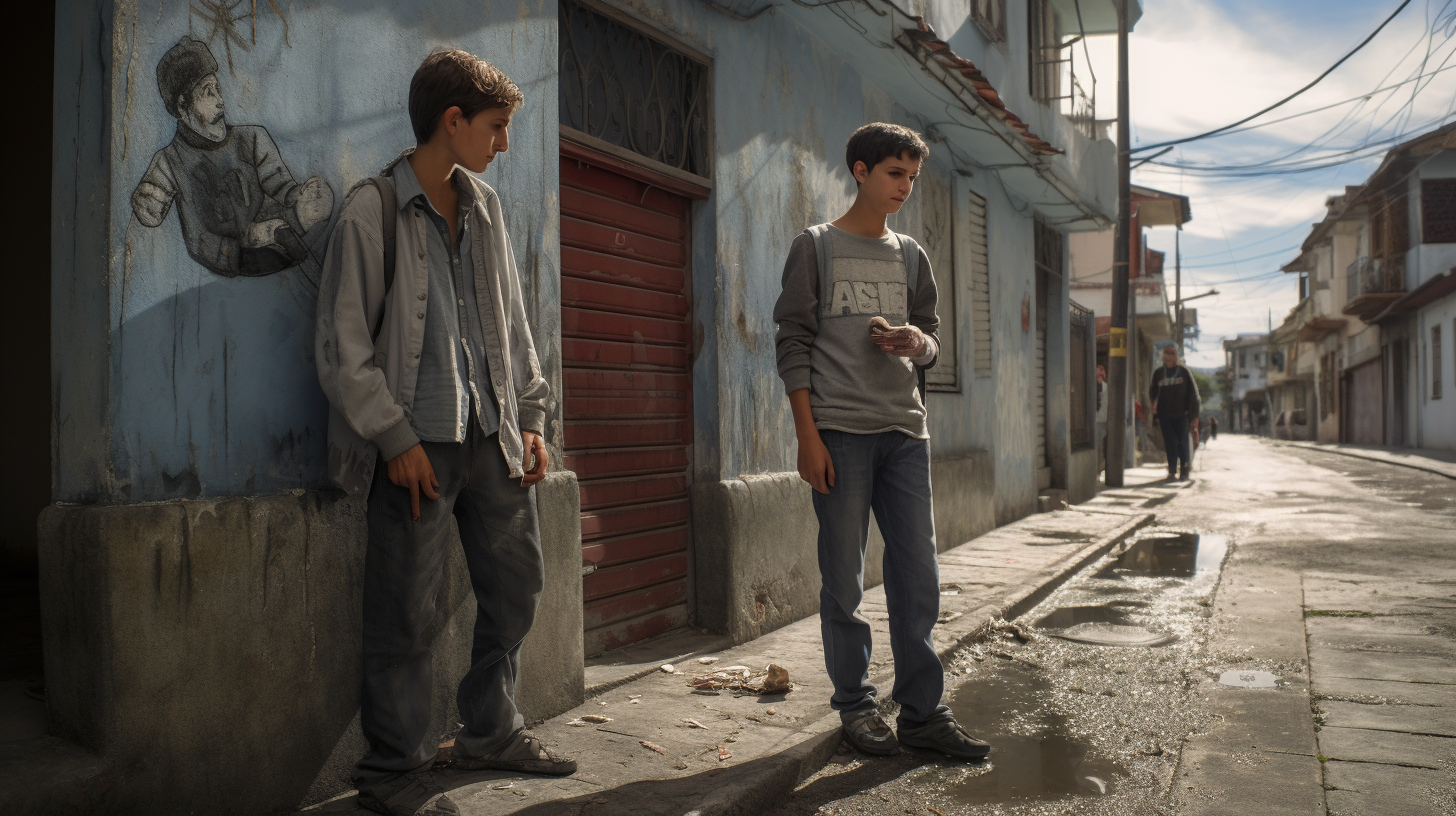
<point x="370" y="380"/>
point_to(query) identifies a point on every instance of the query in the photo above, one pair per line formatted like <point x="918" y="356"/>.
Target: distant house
<point x="1247" y="363"/>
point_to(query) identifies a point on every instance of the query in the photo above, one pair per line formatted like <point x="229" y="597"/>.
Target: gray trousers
<point x="501" y="535"/>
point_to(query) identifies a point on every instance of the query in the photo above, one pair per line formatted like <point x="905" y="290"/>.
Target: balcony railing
<point x="1372" y="276"/>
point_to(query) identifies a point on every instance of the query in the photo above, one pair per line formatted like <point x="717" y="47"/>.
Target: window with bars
<point x="1082" y="361"/>
<point x="631" y="90"/>
<point x="990" y="17"/>
<point x="1045" y="51"/>
<point x="1438" y="211"/>
<point x="1435" y="362"/>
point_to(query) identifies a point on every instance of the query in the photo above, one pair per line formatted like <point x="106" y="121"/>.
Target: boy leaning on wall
<point x="424" y="352"/>
<point x="856" y="319"/>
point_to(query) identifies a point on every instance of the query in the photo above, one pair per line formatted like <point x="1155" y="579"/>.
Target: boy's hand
<point x="412" y="469"/>
<point x="901" y="341"/>
<point x="815" y="464"/>
<point x="533" y="445"/>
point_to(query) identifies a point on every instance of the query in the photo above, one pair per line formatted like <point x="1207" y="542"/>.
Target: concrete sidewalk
<point x="1441" y="463"/>
<point x="751" y="750"/>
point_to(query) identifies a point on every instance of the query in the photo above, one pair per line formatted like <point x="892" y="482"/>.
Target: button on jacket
<point x="373" y="380"/>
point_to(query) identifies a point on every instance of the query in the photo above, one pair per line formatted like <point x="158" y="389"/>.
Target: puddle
<point x="1110" y="634"/>
<point x="1241" y="678"/>
<point x="1169" y="554"/>
<point x="1033" y="754"/>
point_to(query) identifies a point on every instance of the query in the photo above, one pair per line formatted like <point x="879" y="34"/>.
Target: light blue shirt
<point x="450" y="380"/>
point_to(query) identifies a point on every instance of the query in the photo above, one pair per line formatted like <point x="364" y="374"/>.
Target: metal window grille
<point x="1045" y="56"/>
<point x="619" y="85"/>
<point x="1048" y="247"/>
<point x="1081" y="360"/>
<point x="990" y="17"/>
<point x="1438" y="211"/>
<point x="1435" y="362"/>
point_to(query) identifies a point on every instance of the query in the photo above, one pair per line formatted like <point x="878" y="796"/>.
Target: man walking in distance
<point x="424" y="352"/>
<point x="1174" y="396"/>
<point x="856" y="317"/>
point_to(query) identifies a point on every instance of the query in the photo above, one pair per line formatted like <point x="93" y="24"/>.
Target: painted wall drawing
<point x="242" y="212"/>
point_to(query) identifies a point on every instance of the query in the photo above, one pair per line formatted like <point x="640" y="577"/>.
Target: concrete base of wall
<point x="200" y="646"/>
<point x="1082" y="476"/>
<point x="755" y="550"/>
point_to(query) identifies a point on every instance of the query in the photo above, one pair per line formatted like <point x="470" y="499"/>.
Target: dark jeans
<point x="1175" y="442"/>
<point x="403" y="566"/>
<point x="889" y="473"/>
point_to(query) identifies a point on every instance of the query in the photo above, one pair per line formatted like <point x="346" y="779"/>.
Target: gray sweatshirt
<point x="824" y="338"/>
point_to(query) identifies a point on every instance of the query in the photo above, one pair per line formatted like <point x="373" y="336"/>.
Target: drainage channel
<point x="1088" y="713"/>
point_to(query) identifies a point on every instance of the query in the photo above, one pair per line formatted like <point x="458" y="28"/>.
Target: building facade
<point x="194" y="550"/>
<point x="1365" y="343"/>
<point x="1246" y="363"/>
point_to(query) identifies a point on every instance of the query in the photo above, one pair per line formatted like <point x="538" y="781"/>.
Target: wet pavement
<point x="1308" y="666"/>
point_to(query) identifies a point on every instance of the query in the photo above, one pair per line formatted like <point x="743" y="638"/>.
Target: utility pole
<point x="1117" y="391"/>
<point x="1178" y="286"/>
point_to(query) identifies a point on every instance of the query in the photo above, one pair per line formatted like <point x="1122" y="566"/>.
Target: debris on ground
<point x="773" y="679"/>
<point x="668" y="667"/>
<point x="652" y="746"/>
<point x="724" y="754"/>
<point x="937" y="811"/>
<point x="946" y="616"/>
<point x="590" y="719"/>
<point x="773" y="711"/>
<point x="1004" y="630"/>
<point x="707" y="661"/>
<point x="695" y="724"/>
<point x="506" y="786"/>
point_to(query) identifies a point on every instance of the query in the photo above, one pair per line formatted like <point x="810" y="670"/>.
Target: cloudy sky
<point x="1201" y="64"/>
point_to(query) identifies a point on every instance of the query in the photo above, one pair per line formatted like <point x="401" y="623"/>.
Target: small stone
<point x="668" y="668"/>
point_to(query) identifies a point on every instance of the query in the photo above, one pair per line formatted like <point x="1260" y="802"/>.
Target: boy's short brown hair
<point x="448" y="79"/>
<point x="877" y="141"/>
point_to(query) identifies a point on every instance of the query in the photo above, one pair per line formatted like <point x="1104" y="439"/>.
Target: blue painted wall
<point x="172" y="381"/>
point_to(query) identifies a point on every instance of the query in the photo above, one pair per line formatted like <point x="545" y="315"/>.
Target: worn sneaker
<point x="1184" y="474"/>
<point x="410" y="794"/>
<point x="868" y="731"/>
<point x="948" y="737"/>
<point x="522" y="753"/>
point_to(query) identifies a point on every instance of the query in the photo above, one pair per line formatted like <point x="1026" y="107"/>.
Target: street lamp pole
<point x="1117" y="390"/>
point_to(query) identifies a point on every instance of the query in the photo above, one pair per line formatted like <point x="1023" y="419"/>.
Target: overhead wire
<point x="1287" y="99"/>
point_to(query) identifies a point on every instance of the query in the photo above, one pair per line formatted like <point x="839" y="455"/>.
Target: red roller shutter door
<point x="626" y="336"/>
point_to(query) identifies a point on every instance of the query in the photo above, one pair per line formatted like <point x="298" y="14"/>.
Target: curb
<point x="1367" y="456"/>
<point x="812" y="746"/>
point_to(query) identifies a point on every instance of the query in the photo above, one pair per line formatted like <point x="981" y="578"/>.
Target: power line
<point x="1286" y="99"/>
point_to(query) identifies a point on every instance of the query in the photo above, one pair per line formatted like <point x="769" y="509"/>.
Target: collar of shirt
<point x="407" y="187"/>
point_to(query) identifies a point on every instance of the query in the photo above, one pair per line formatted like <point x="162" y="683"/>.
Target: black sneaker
<point x="1183" y="476"/>
<point x="868" y="731"/>
<point x="947" y="737"/>
<point x="410" y="794"/>
<point x="523" y="753"/>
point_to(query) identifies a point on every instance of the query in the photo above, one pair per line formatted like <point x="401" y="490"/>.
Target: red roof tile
<point x="924" y="36"/>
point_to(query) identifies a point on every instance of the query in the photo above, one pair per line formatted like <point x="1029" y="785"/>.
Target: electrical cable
<point x="1286" y="99"/>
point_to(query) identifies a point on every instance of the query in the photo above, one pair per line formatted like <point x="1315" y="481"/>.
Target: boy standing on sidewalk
<point x="863" y="440"/>
<point x="424" y="352"/>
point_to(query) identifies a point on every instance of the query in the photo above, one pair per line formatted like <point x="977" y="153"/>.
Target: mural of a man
<point x="242" y="213"/>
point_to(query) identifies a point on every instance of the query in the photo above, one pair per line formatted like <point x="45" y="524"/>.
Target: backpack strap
<point x="910" y="252"/>
<point x="388" y="205"/>
<point x="823" y="254"/>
